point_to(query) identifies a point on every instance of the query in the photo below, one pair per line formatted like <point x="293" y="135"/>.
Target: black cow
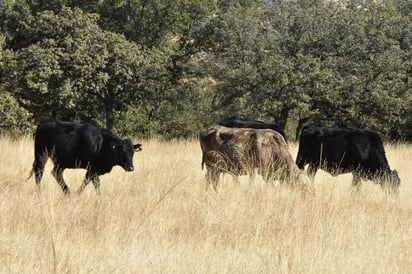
<point x="80" y="145"/>
<point x="237" y="122"/>
<point x="343" y="150"/>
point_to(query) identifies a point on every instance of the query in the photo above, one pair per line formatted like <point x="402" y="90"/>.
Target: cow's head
<point x="123" y="152"/>
<point x="208" y="139"/>
<point x="310" y="147"/>
<point x="305" y="155"/>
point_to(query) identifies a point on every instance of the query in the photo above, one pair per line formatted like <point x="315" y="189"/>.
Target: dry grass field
<point x="161" y="219"/>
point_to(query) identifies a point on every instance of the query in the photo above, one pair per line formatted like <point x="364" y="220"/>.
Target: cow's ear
<point x="137" y="147"/>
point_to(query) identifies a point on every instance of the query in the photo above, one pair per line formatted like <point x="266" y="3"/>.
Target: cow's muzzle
<point x="129" y="168"/>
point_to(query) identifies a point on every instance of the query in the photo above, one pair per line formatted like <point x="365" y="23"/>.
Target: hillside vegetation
<point x="162" y="219"/>
<point x="165" y="69"/>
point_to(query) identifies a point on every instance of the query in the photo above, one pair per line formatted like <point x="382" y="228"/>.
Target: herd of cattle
<point x="235" y="146"/>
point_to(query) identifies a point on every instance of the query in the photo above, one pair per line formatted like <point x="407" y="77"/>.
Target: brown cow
<point x="240" y="151"/>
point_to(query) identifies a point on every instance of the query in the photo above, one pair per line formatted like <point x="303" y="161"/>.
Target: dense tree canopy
<point x="168" y="68"/>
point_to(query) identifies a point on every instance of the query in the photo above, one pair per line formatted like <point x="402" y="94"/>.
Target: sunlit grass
<point x="161" y="218"/>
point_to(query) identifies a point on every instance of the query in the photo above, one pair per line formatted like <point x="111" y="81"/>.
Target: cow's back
<point x="237" y="122"/>
<point x="69" y="142"/>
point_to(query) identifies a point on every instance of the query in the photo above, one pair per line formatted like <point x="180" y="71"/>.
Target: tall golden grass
<point x="162" y="219"/>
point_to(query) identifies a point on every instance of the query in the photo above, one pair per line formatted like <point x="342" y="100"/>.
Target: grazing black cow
<point x="343" y="150"/>
<point x="237" y="122"/>
<point x="80" y="145"/>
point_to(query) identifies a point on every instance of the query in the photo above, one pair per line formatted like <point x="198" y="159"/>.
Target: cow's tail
<point x="203" y="161"/>
<point x="37" y="161"/>
<point x="32" y="171"/>
<point x="38" y="164"/>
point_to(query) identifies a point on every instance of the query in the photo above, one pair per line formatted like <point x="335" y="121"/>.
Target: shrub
<point x="14" y="119"/>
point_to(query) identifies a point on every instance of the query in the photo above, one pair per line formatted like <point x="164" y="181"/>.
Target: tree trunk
<point x="110" y="123"/>
<point x="282" y="118"/>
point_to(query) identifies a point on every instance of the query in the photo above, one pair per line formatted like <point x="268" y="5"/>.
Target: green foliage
<point x="170" y="104"/>
<point x="261" y="68"/>
<point x="314" y="61"/>
<point x="12" y="14"/>
<point x="71" y="65"/>
<point x="168" y="68"/>
<point x="13" y="118"/>
<point x="152" y="22"/>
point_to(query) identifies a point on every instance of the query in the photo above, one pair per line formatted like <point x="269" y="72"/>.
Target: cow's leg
<point x="389" y="182"/>
<point x="252" y="175"/>
<point x="273" y="178"/>
<point x="212" y="177"/>
<point x="58" y="174"/>
<point x="356" y="181"/>
<point x="311" y="171"/>
<point x="96" y="183"/>
<point x="86" y="181"/>
<point x="235" y="178"/>
<point x="264" y="172"/>
<point x="38" y="169"/>
<point x="289" y="173"/>
<point x="389" y="187"/>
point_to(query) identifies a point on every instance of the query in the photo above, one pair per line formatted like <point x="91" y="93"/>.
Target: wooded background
<point x="167" y="68"/>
